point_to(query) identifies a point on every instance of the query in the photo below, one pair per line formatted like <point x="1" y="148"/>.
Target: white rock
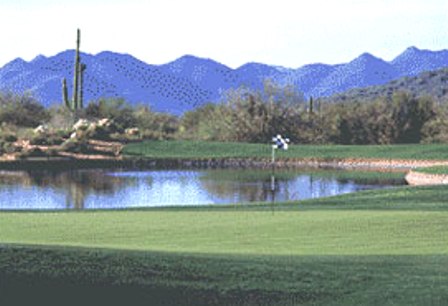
<point x="41" y="129"/>
<point x="104" y="122"/>
<point x="132" y="131"/>
<point x="81" y="123"/>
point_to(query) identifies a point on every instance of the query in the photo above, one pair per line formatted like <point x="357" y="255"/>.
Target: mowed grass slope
<point x="317" y="232"/>
<point x="393" y="250"/>
<point x="440" y="170"/>
<point x="33" y="274"/>
<point x="204" y="150"/>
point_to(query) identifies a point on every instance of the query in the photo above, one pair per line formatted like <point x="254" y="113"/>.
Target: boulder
<point x="81" y="124"/>
<point x="41" y="129"/>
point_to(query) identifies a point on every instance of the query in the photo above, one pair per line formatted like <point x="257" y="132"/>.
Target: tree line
<point x="253" y="116"/>
<point x="257" y="116"/>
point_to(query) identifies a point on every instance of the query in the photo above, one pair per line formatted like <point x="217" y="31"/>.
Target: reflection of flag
<point x="280" y="142"/>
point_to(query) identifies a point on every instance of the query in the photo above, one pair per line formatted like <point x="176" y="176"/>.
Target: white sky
<point x="288" y="33"/>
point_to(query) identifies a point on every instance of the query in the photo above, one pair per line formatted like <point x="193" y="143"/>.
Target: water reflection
<point x="250" y="186"/>
<point x="101" y="189"/>
<point x="49" y="189"/>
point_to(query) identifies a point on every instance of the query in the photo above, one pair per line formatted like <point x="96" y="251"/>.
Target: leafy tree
<point x="22" y="110"/>
<point x="154" y="125"/>
<point x="246" y="115"/>
<point x="410" y="115"/>
<point x="191" y="124"/>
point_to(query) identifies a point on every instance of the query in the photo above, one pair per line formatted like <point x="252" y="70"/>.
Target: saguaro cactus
<point x="82" y="68"/>
<point x="77" y="101"/>
<point x="77" y="72"/>
<point x="65" y="93"/>
<point x="311" y="106"/>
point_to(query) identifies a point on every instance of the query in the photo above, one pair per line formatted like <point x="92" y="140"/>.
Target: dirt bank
<point x="352" y="164"/>
<point x="75" y="160"/>
<point x="416" y="178"/>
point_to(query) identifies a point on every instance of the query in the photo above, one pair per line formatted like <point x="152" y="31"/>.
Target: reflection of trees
<point x="77" y="184"/>
<point x="247" y="175"/>
<point x="255" y="185"/>
<point x="260" y="191"/>
<point x="373" y="181"/>
<point x="228" y="185"/>
<point x="249" y="185"/>
<point x="10" y="178"/>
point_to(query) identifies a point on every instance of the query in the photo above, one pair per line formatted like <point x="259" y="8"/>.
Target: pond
<point x="117" y="189"/>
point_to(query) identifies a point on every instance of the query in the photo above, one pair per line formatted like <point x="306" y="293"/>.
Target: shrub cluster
<point x="21" y="110"/>
<point x="256" y="117"/>
<point x="244" y="116"/>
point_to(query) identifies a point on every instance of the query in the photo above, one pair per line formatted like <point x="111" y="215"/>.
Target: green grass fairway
<point x="152" y="278"/>
<point x="237" y="232"/>
<point x="376" y="247"/>
<point x="435" y="170"/>
<point x="198" y="150"/>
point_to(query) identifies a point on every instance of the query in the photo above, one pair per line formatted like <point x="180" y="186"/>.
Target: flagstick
<point x="280" y="143"/>
<point x="273" y="176"/>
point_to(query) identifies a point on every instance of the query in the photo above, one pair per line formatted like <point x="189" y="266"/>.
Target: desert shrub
<point x="124" y="138"/>
<point x="61" y="119"/>
<point x="118" y="110"/>
<point x="47" y="139"/>
<point x="33" y="152"/>
<point x="436" y="129"/>
<point x="409" y="115"/>
<point x="22" y="110"/>
<point x="76" y="146"/>
<point x="10" y="138"/>
<point x="246" y="115"/>
<point x="101" y="133"/>
<point x="8" y="135"/>
<point x="2" y="147"/>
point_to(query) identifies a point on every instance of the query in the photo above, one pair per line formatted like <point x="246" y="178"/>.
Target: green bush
<point x="257" y="116"/>
<point x="118" y="110"/>
<point x="10" y="138"/>
<point x="21" y="110"/>
<point x="100" y="133"/>
<point x="76" y="146"/>
<point x="46" y="140"/>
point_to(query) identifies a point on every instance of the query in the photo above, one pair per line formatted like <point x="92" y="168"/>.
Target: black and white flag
<point x="280" y="142"/>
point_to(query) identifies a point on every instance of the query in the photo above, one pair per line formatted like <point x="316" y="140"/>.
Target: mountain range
<point x="189" y="81"/>
<point x="432" y="84"/>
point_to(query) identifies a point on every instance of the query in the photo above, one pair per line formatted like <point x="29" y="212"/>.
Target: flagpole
<point x="279" y="143"/>
<point x="273" y="176"/>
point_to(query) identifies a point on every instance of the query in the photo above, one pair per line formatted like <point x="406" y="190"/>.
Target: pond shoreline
<point x="416" y="178"/>
<point x="399" y="165"/>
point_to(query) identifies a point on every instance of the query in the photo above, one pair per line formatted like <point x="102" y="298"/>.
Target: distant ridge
<point x="429" y="83"/>
<point x="189" y="81"/>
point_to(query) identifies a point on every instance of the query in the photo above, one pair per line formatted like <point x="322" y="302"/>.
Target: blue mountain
<point x="414" y="61"/>
<point x="363" y="71"/>
<point x="189" y="81"/>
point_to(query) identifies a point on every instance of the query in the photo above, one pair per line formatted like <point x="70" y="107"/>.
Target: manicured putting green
<point x="202" y="149"/>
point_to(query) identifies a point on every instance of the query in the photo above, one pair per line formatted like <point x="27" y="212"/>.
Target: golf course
<point x="367" y="248"/>
<point x="224" y="153"/>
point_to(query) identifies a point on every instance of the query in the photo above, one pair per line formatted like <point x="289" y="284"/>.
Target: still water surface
<point x="113" y="189"/>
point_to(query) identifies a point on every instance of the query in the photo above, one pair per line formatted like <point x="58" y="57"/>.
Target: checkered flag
<point x="280" y="142"/>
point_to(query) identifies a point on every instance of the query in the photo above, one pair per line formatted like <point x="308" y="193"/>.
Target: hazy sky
<point x="288" y="33"/>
